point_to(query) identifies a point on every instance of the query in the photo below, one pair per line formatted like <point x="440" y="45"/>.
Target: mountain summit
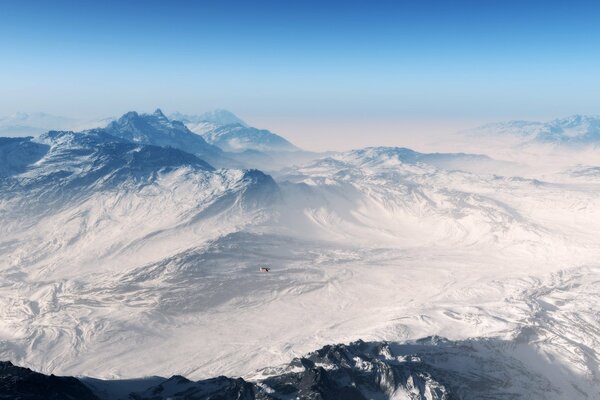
<point x="217" y="117"/>
<point x="158" y="112"/>
<point x="156" y="129"/>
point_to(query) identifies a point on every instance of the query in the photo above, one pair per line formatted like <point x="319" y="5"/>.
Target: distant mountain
<point x="216" y="117"/>
<point x="236" y="137"/>
<point x="156" y="129"/>
<point x="32" y="124"/>
<point x="225" y="130"/>
<point x="573" y="130"/>
<point x="392" y="157"/>
<point x="216" y="133"/>
<point x="388" y="155"/>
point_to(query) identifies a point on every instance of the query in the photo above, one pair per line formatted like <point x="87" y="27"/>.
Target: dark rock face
<point x="178" y="387"/>
<point x="358" y="371"/>
<point x="432" y="368"/>
<point x="17" y="154"/>
<point x="18" y="383"/>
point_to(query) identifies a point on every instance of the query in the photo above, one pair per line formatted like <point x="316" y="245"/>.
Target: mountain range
<point x="220" y="128"/>
<point x="227" y="131"/>
<point x="574" y="130"/>
<point x="136" y="250"/>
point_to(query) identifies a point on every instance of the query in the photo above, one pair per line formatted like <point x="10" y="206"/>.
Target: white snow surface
<point x="163" y="278"/>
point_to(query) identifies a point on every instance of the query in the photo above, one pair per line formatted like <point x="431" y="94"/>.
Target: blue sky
<point x="305" y="68"/>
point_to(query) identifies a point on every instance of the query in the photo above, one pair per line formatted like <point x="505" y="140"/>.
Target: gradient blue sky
<point x="363" y="72"/>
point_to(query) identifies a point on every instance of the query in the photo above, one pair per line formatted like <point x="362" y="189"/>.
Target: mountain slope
<point x="16" y="154"/>
<point x="88" y="184"/>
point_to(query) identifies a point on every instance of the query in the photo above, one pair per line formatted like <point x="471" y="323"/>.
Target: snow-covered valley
<point x="123" y="259"/>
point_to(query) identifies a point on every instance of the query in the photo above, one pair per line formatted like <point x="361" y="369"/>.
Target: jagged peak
<point x="129" y="115"/>
<point x="222" y="116"/>
<point x="217" y="117"/>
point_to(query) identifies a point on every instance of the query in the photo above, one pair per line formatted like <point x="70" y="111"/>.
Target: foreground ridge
<point x="25" y="384"/>
<point x="432" y="368"/>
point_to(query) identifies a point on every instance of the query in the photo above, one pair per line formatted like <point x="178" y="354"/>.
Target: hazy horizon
<point x="321" y="134"/>
<point x="317" y="74"/>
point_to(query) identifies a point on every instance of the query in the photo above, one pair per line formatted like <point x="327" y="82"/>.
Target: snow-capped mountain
<point x="95" y="160"/>
<point x="236" y="138"/>
<point x="71" y="177"/>
<point x="156" y="129"/>
<point x="223" y="129"/>
<point x="573" y="130"/>
<point x="216" y="117"/>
